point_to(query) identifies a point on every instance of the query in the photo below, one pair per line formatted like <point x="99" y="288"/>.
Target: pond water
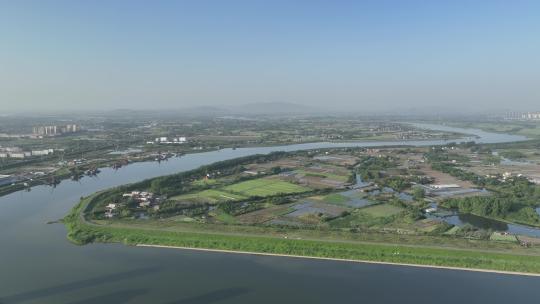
<point x="484" y="223"/>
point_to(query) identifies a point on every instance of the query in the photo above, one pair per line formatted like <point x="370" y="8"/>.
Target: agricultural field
<point x="264" y="215"/>
<point x="501" y="237"/>
<point x="208" y="196"/>
<point x="239" y="191"/>
<point x="348" y="198"/>
<point x="264" y="187"/>
<point x="320" y="176"/>
<point x="382" y="210"/>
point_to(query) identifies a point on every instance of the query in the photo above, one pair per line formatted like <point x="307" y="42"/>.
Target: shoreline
<point x="343" y="260"/>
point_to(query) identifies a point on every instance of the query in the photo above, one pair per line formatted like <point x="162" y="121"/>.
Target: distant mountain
<point x="205" y="111"/>
<point x="273" y="108"/>
<point x="263" y="108"/>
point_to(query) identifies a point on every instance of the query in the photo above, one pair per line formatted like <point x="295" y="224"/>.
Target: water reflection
<point x="118" y="297"/>
<point x="214" y="296"/>
<point x="69" y="287"/>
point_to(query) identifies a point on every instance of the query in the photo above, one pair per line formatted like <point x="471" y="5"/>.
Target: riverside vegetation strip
<point x="82" y="232"/>
<point x="308" y="215"/>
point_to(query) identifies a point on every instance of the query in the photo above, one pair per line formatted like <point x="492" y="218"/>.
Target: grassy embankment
<point x="81" y="231"/>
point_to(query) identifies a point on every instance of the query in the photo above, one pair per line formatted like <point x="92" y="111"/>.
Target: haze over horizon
<point x="342" y="55"/>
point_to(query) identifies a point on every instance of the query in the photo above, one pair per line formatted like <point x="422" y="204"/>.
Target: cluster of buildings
<point x="18" y="153"/>
<point x="508" y="176"/>
<point x="168" y="141"/>
<point x="143" y="199"/>
<point x="55" y="130"/>
<point x="110" y="210"/>
<point x="523" y="116"/>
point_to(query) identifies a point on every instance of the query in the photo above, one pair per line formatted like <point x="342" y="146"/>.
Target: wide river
<point x="38" y="264"/>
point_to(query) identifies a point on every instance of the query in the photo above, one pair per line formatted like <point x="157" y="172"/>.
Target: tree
<point x="418" y="193"/>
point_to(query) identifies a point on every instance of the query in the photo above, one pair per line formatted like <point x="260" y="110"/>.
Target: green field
<point x="242" y="190"/>
<point x="382" y="210"/>
<point x="264" y="187"/>
<point x="210" y="196"/>
<point x="204" y="182"/>
<point x="335" y="198"/>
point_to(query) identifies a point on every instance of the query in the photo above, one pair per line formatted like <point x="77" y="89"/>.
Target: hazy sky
<point x="65" y="55"/>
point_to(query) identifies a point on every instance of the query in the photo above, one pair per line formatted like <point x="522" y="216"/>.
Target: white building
<point x="41" y="152"/>
<point x="17" y="155"/>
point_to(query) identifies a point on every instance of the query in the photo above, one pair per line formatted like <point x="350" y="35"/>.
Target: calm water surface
<point x="38" y="265"/>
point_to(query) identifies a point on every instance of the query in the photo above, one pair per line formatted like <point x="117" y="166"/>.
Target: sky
<point x="378" y="55"/>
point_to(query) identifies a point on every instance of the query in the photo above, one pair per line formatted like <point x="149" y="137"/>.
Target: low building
<point x="19" y="155"/>
<point x="143" y="199"/>
<point x="41" y="152"/>
<point x="443" y="187"/>
<point x="110" y="210"/>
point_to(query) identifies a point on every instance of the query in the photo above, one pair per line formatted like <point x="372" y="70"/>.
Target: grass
<point x="382" y="210"/>
<point x="210" y="196"/>
<point x="204" y="182"/>
<point x="335" y="198"/>
<point x="265" y="187"/>
<point x="225" y="218"/>
<point x="239" y="191"/>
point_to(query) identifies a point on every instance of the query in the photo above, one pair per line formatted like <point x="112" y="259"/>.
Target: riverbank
<point x="81" y="232"/>
<point x="343" y="260"/>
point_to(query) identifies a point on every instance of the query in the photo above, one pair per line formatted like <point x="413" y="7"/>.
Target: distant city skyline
<point x="364" y="56"/>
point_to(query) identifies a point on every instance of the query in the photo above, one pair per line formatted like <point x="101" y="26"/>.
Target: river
<point x="38" y="264"/>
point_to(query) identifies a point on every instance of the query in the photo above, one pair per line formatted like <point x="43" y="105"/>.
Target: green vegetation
<point x="382" y="210"/>
<point x="359" y="219"/>
<point x="503" y="237"/>
<point x="335" y="198"/>
<point x="210" y="196"/>
<point x="418" y="193"/>
<point x="204" y="182"/>
<point x="265" y="187"/>
<point x="341" y="178"/>
<point x="513" y="155"/>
